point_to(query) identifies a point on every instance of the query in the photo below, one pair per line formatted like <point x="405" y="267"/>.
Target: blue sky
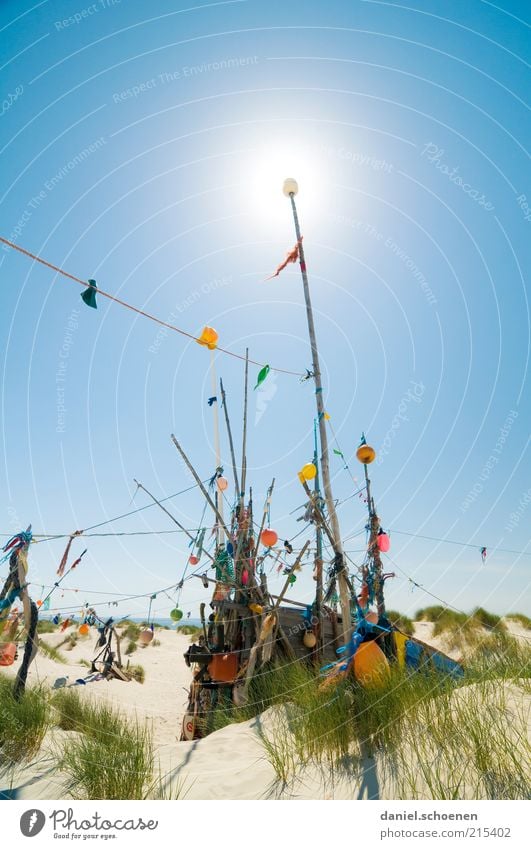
<point x="145" y="146"/>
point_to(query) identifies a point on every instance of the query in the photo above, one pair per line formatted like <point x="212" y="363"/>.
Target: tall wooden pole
<point x="318" y="555"/>
<point x="218" y="494"/>
<point x="290" y="188"/>
<point x="374" y="527"/>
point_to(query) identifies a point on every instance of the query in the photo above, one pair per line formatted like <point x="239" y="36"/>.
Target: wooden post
<point x="231" y="443"/>
<point x="199" y="482"/>
<point x="244" y="439"/>
<point x="325" y="462"/>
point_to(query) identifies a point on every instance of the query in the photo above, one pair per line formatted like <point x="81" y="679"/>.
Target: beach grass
<point x="137" y="672"/>
<point x="400" y="620"/>
<point x="440" y="738"/>
<point x="51" y="652"/>
<point x="112" y="756"/>
<point x="23" y="722"/>
<point x="521" y="619"/>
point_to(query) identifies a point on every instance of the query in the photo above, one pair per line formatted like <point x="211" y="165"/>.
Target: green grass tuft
<point x="23" y="723"/>
<point x="402" y="622"/>
<point x="51" y="651"/>
<point x="137" y="672"/>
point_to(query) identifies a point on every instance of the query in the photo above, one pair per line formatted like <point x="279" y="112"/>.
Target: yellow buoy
<point x="308" y="471"/>
<point x="371" y="666"/>
<point x="365" y="454"/>
<point x="209" y="338"/>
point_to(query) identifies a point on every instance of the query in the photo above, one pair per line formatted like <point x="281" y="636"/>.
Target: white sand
<point x="230" y="764"/>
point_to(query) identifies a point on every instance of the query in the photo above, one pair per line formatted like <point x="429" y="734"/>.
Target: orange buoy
<point x="365" y="454"/>
<point x="84" y="629"/>
<point x="222" y="484"/>
<point x="371" y="666"/>
<point x="7" y="654"/>
<point x="268" y="537"/>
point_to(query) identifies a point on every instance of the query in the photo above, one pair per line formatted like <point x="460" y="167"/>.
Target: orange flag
<point x="291" y="256"/>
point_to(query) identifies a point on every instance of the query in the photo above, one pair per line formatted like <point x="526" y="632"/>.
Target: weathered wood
<point x="201" y="486"/>
<point x="185" y="530"/>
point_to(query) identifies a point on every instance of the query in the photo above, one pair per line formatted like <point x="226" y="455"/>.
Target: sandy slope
<point x="229" y="764"/>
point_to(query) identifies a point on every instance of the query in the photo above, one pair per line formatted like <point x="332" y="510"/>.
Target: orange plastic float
<point x="371" y="666"/>
<point x="7" y="653"/>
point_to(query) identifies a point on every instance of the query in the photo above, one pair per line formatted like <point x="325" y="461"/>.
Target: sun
<point x="271" y="165"/>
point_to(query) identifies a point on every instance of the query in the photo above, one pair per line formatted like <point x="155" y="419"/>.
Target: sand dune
<point x="229" y="764"/>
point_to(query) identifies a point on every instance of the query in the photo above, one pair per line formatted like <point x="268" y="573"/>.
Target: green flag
<point x="262" y="374"/>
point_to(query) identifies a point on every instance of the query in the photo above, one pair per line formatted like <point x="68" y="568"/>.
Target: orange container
<point x="223" y="667"/>
<point x="7" y="653"/>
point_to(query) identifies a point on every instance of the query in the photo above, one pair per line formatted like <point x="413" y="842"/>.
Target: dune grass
<point x="192" y="630"/>
<point x="46" y="626"/>
<point x="400" y="620"/>
<point x="112" y="758"/>
<point x="438" y="738"/>
<point x="51" y="651"/>
<point x="131" y="647"/>
<point x="521" y="618"/>
<point x="23" y="722"/>
<point x="137" y="672"/>
<point x="130" y="630"/>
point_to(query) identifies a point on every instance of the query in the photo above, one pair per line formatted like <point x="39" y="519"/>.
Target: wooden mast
<point x="290" y="189"/>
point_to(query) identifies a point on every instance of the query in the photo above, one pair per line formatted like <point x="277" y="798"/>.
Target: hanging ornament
<point x="262" y="374"/>
<point x="145" y="637"/>
<point x="268" y="537"/>
<point x="483" y="554"/>
<point x="176" y="614"/>
<point x="382" y="541"/>
<point x="193" y="560"/>
<point x="292" y="579"/>
<point x="309" y="640"/>
<point x="245" y="577"/>
<point x="209" y="338"/>
<point x="288" y="546"/>
<point x="365" y="454"/>
<point x="39" y="603"/>
<point x="309" y="471"/>
<point x="222" y="484"/>
<point x="89" y="295"/>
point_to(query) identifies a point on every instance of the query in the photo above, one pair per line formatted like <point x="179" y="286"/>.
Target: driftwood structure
<point x="342" y="629"/>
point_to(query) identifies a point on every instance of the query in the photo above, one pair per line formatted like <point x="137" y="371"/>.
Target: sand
<point x="229" y="764"/>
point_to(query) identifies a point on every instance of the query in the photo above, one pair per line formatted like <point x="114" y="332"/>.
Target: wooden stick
<point x="229" y="433"/>
<point x="264" y="514"/>
<point x="291" y="571"/>
<point x="186" y="531"/>
<point x="244" y="442"/>
<point x="205" y="492"/>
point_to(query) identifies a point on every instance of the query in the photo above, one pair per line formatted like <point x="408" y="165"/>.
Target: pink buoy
<point x="383" y="542"/>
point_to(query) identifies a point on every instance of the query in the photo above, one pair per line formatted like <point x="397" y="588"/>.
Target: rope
<point x="134" y="309"/>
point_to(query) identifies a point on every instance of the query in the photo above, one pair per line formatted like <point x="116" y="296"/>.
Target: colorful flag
<point x="291" y="256"/>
